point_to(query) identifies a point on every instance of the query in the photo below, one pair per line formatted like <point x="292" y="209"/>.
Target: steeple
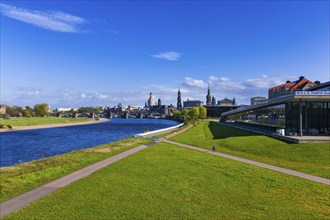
<point x="179" y="103"/>
<point x="208" y="97"/>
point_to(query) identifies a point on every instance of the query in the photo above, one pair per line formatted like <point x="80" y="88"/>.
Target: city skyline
<point x="106" y="53"/>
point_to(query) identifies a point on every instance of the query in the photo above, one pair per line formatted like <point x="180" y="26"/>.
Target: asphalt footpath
<point x="12" y="205"/>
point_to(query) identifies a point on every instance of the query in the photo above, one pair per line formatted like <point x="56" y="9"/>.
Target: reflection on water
<point x="23" y="146"/>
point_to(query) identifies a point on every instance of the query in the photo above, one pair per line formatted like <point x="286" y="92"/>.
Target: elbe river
<point x="28" y="145"/>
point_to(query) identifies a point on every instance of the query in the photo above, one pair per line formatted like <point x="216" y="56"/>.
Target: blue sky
<point x="88" y="53"/>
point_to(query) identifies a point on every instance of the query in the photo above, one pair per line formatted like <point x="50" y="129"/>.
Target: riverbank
<point x="20" y="178"/>
<point x="55" y="125"/>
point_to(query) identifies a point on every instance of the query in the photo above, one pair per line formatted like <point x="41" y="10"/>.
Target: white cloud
<point x="172" y="56"/>
<point x="49" y="20"/>
<point x="188" y="81"/>
<point x="264" y="82"/>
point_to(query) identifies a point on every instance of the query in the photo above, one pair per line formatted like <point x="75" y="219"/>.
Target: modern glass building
<point x="300" y="113"/>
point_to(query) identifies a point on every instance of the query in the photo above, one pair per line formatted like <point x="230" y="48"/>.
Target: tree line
<point x="193" y="114"/>
<point x="39" y="110"/>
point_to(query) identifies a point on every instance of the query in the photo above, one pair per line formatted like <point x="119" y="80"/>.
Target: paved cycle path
<point x="259" y="164"/>
<point x="18" y="202"/>
<point x="14" y="204"/>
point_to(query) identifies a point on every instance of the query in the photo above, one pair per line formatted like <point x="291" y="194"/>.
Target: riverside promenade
<point x="14" y="204"/>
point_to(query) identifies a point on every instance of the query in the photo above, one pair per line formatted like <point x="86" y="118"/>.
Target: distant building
<point x="289" y="87"/>
<point x="226" y="102"/>
<point x="66" y="109"/>
<point x="224" y="105"/>
<point x="179" y="103"/>
<point x="162" y="110"/>
<point x="192" y="103"/>
<point x="159" y="102"/>
<point x="258" y="100"/>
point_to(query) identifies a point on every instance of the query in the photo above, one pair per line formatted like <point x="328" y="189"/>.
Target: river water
<point x="27" y="145"/>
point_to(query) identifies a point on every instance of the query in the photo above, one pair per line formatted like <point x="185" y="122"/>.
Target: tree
<point x="176" y="113"/>
<point x="28" y="112"/>
<point x="184" y="112"/>
<point x="41" y="110"/>
<point x="202" y="112"/>
<point x="194" y="113"/>
<point x="14" y="111"/>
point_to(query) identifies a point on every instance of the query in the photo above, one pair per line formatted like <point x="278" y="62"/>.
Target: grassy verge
<point x="20" y="178"/>
<point x="312" y="158"/>
<point x="41" y="121"/>
<point x="169" y="182"/>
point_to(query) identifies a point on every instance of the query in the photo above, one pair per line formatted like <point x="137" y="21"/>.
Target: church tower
<point x="179" y="104"/>
<point x="208" y="97"/>
<point x="151" y="100"/>
<point x="214" y="101"/>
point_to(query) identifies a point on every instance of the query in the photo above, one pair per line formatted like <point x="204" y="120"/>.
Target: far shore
<point x="19" y="128"/>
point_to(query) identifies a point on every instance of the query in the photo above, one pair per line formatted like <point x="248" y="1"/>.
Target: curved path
<point x="19" y="202"/>
<point x="259" y="164"/>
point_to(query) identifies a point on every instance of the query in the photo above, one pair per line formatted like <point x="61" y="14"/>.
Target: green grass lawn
<point x="20" y="178"/>
<point x="312" y="158"/>
<point x="169" y="182"/>
<point x="41" y="121"/>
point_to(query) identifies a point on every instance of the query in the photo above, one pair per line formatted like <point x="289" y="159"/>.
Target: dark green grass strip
<point x="169" y="182"/>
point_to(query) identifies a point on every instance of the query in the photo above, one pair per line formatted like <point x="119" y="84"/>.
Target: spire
<point x="179" y="104"/>
<point x="208" y="97"/>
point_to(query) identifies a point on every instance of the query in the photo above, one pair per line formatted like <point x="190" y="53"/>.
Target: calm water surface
<point x="24" y="146"/>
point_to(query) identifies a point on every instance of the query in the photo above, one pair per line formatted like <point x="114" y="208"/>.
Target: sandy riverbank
<point x="19" y="128"/>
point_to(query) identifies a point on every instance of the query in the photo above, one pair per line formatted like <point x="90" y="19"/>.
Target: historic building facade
<point x="289" y="87"/>
<point x="192" y="103"/>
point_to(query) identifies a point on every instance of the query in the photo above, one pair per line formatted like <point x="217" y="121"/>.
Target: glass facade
<point x="272" y="116"/>
<point x="312" y="118"/>
<point x="315" y="117"/>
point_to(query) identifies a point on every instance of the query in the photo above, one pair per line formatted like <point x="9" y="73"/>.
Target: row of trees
<point x="39" y="110"/>
<point x="194" y="113"/>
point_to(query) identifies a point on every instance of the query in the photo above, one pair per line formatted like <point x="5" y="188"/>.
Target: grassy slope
<point x="312" y="158"/>
<point x="20" y="178"/>
<point x="169" y="182"/>
<point x="41" y="121"/>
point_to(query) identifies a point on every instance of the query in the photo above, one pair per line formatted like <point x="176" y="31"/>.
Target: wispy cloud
<point x="49" y="20"/>
<point x="188" y="81"/>
<point x="170" y="55"/>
